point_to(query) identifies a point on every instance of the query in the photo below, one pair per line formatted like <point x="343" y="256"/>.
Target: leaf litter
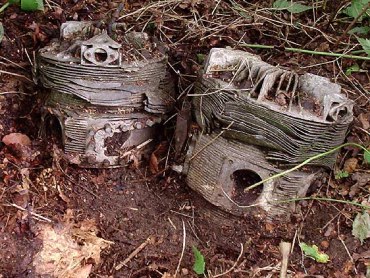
<point x="68" y="250"/>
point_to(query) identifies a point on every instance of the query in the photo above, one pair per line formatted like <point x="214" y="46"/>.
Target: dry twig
<point x="234" y="265"/>
<point x="34" y="214"/>
<point x="284" y="248"/>
<point x="149" y="240"/>
<point x="183" y="248"/>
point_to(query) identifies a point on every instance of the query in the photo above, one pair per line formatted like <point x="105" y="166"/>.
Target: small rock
<point x="324" y="244"/>
<point x="184" y="271"/>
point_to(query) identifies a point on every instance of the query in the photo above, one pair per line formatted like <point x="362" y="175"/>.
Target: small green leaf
<point x="361" y="226"/>
<point x="1" y="32"/>
<point x="365" y="43"/>
<point x="199" y="264"/>
<point x="362" y="30"/>
<point x="354" y="68"/>
<point x="367" y="156"/>
<point x="292" y="7"/>
<point x="200" y="58"/>
<point x="32" y="5"/>
<point x="314" y="253"/>
<point x="355" y="9"/>
<point x="341" y="174"/>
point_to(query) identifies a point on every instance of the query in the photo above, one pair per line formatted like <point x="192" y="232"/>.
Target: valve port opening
<point x="242" y="179"/>
<point x="100" y="55"/>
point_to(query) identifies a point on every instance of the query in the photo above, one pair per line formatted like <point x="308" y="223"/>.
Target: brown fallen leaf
<point x="363" y="255"/>
<point x="84" y="271"/>
<point x="66" y="248"/>
<point x="362" y="179"/>
<point x="182" y="127"/>
<point x="364" y="120"/>
<point x="153" y="164"/>
<point x="16" y="138"/>
<point x="135" y="161"/>
<point x="350" y="165"/>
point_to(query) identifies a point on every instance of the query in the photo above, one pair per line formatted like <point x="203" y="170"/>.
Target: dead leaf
<point x="73" y="158"/>
<point x="323" y="47"/>
<point x="348" y="267"/>
<point x="350" y="165"/>
<point x="88" y="225"/>
<point x="362" y="180"/>
<point x="269" y="227"/>
<point x="65" y="249"/>
<point x="153" y="164"/>
<point x="68" y="216"/>
<point x="135" y="161"/>
<point x="21" y="196"/>
<point x="16" y="138"/>
<point x="364" y="120"/>
<point x="182" y="127"/>
<point x="63" y="196"/>
<point x="363" y="255"/>
<point x="84" y="271"/>
<point x="25" y="172"/>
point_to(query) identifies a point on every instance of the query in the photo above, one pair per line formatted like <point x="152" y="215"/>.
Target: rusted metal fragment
<point x="108" y="95"/>
<point x="85" y="68"/>
<point x="100" y="136"/>
<point x="261" y="120"/>
<point x="220" y="170"/>
<point x="292" y="116"/>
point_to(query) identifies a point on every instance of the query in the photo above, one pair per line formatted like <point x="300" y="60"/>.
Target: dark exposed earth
<point x="149" y="208"/>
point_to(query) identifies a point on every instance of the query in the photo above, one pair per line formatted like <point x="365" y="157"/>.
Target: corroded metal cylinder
<point x="108" y="95"/>
<point x="261" y="119"/>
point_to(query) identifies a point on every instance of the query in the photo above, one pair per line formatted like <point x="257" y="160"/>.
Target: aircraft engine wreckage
<point x="261" y="119"/>
<point x="108" y="95"/>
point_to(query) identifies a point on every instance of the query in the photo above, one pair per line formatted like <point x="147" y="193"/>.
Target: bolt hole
<point x="241" y="180"/>
<point x="100" y="55"/>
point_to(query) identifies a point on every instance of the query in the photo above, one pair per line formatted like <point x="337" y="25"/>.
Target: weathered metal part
<point x="261" y="119"/>
<point x="99" y="136"/>
<point x="122" y="87"/>
<point x="101" y="50"/>
<point x="293" y="117"/>
<point x="108" y="95"/>
<point x="129" y="76"/>
<point x="220" y="169"/>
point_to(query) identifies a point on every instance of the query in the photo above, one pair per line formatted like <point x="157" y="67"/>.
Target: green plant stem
<point x="305" y="51"/>
<point x="307" y="161"/>
<point x="3" y="7"/>
<point x="358" y="51"/>
<point x="325" y="199"/>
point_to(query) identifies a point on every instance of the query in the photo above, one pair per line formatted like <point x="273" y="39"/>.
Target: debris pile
<point x="108" y="95"/>
<point x="261" y="119"/>
<point x="68" y="250"/>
